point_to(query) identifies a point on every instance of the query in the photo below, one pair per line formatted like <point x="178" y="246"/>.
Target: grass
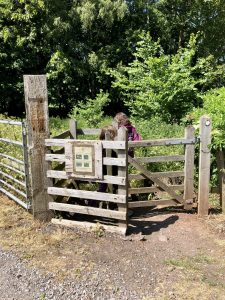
<point x="67" y="255"/>
<point x="190" y="290"/>
<point x="190" y="263"/>
<point x="38" y="242"/>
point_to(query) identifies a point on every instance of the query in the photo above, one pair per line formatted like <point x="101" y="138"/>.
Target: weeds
<point x="190" y="263"/>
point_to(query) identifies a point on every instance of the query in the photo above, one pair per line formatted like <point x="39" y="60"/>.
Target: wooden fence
<point x="98" y="204"/>
<point x="65" y="188"/>
<point x="53" y="188"/>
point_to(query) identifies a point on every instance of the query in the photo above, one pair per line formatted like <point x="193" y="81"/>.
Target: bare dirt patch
<point x="167" y="255"/>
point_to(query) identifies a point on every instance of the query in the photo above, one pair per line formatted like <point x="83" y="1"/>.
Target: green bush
<point x="169" y="86"/>
<point x="90" y="113"/>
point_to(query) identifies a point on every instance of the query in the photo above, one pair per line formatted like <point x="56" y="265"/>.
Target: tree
<point x="22" y="49"/>
<point x="167" y="85"/>
<point x="178" y="19"/>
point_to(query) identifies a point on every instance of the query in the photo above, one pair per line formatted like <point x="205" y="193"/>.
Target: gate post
<point x="189" y="169"/>
<point x="123" y="172"/>
<point x="73" y="128"/>
<point x="204" y="166"/>
<point x="220" y="159"/>
<point x="36" y="103"/>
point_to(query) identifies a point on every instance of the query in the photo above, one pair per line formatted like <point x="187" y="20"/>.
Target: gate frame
<point x="28" y="203"/>
<point x="36" y="100"/>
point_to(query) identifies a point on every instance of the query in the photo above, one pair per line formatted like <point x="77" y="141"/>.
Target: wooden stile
<point x="89" y="226"/>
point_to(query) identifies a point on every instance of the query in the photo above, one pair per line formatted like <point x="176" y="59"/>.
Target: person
<point x="123" y="121"/>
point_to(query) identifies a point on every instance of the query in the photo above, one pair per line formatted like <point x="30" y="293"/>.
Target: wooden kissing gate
<point x="60" y="183"/>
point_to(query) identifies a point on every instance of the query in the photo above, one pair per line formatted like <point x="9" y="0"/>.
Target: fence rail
<point x="48" y="169"/>
<point x="14" y="171"/>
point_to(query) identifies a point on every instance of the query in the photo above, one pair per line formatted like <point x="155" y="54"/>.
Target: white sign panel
<point x="84" y="159"/>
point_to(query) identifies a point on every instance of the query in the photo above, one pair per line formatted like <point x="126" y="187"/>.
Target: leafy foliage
<point x="75" y="42"/>
<point x="166" y="85"/>
<point x="214" y="106"/>
<point x="92" y="110"/>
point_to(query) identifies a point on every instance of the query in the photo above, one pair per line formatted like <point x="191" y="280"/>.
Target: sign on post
<point x="84" y="159"/>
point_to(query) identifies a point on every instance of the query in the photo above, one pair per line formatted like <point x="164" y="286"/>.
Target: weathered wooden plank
<point x="55" y="157"/>
<point x="160" y="158"/>
<point x="123" y="172"/>
<point x="223" y="191"/>
<point x="148" y="203"/>
<point x="37" y="118"/>
<point x="169" y="174"/>
<point x="109" y="167"/>
<point x="160" y="142"/>
<point x="88" y="131"/>
<point x="189" y="169"/>
<point x="204" y="165"/>
<point x="105" y="144"/>
<point x="111" y="161"/>
<point x="157" y="181"/>
<point x="145" y="190"/>
<point x="8" y="141"/>
<point x="106" y="178"/>
<point x="88" y="210"/>
<point x="93" y="195"/>
<point x="13" y="179"/>
<point x="12" y="158"/>
<point x="89" y="226"/>
<point x="177" y="187"/>
<point x="9" y="122"/>
<point x="73" y="129"/>
<point x="16" y="199"/>
<point x="220" y="160"/>
<point x="62" y="135"/>
<point x="57" y="174"/>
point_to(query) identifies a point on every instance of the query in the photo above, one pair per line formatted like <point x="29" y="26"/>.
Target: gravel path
<point x="18" y="282"/>
<point x="174" y="257"/>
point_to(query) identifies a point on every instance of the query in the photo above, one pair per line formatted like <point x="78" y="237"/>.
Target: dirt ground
<point x="168" y="254"/>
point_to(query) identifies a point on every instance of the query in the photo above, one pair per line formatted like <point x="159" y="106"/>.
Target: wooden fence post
<point x="204" y="165"/>
<point x="73" y="128"/>
<point x="189" y="169"/>
<point x="223" y="192"/>
<point x="221" y="173"/>
<point x="123" y="172"/>
<point x="36" y="102"/>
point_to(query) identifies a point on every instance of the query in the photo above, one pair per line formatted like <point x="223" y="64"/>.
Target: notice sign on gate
<point x="84" y="159"/>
